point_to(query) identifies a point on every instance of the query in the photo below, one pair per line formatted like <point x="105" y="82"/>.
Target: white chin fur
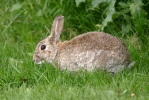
<point x="39" y="63"/>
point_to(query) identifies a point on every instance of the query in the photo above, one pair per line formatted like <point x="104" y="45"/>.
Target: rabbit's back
<point x="93" y="49"/>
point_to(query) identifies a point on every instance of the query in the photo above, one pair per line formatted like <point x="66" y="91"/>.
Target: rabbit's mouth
<point x="37" y="60"/>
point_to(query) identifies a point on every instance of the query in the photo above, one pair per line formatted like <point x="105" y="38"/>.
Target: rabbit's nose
<point x="33" y="59"/>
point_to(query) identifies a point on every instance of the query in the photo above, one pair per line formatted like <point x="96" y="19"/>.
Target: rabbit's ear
<point x="56" y="29"/>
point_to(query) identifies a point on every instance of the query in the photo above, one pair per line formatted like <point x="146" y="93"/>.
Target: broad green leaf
<point x="139" y="2"/>
<point x="138" y="15"/>
<point x="122" y="4"/>
<point x="134" y="8"/>
<point x="79" y="1"/>
<point x="109" y="13"/>
<point x="95" y="3"/>
<point x="110" y="10"/>
<point x="16" y="7"/>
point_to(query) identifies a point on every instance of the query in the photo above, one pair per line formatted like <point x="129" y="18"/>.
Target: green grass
<point x="22" y="26"/>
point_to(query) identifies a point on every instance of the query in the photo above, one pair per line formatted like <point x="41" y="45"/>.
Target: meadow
<point x="22" y="26"/>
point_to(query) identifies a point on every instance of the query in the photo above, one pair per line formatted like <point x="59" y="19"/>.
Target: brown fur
<point x="92" y="50"/>
<point x="93" y="41"/>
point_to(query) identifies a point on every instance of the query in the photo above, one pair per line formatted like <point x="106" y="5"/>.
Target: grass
<point x="22" y="26"/>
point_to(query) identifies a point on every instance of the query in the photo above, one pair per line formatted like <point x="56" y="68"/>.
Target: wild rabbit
<point x="92" y="50"/>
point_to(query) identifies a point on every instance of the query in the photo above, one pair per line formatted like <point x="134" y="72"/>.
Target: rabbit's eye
<point x="43" y="47"/>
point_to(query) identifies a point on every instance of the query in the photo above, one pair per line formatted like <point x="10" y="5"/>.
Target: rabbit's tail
<point x="131" y="64"/>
